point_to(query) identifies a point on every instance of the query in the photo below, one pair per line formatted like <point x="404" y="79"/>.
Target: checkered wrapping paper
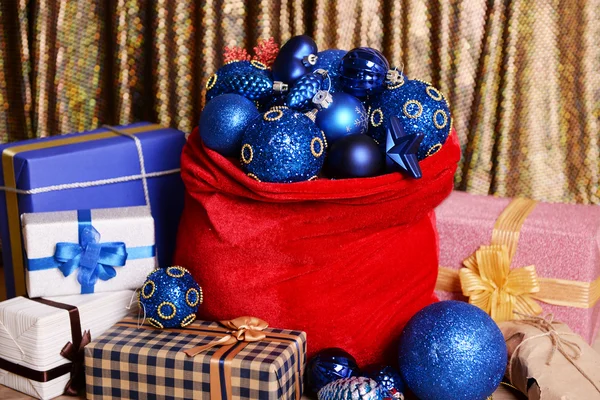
<point x="144" y="363"/>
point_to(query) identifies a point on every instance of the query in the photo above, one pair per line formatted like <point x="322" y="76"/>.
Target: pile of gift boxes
<point x="85" y="217"/>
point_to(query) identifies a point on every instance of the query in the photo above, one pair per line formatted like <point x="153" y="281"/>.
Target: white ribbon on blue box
<point x="88" y="251"/>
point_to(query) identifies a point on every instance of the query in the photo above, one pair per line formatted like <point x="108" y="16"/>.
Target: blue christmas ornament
<point x="222" y="122"/>
<point x="452" y="350"/>
<point x="329" y="365"/>
<point x="401" y="150"/>
<point x="295" y="59"/>
<point x="301" y="94"/>
<point x="277" y="100"/>
<point x="354" y="156"/>
<point x="216" y="83"/>
<point x="345" y="116"/>
<point x="363" y="71"/>
<point x="170" y="298"/>
<point x="330" y="61"/>
<point x="354" y="388"/>
<point x="283" y="146"/>
<point x="251" y="85"/>
<point x="389" y="381"/>
<point x="420" y="107"/>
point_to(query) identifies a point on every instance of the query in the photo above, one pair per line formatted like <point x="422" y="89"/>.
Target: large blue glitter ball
<point x="363" y="71"/>
<point x="354" y="156"/>
<point x="329" y="365"/>
<point x="223" y="121"/>
<point x="283" y="146"/>
<point x="220" y="82"/>
<point x="388" y="379"/>
<point x="452" y="350"/>
<point x="330" y="60"/>
<point x="289" y="64"/>
<point x="170" y="298"/>
<point x="345" y="116"/>
<point x="420" y="107"/>
<point x="301" y="94"/>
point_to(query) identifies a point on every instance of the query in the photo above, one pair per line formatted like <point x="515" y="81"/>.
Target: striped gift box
<point x="145" y="363"/>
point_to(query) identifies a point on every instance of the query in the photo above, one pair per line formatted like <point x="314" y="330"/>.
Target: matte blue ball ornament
<point x="389" y="381"/>
<point x="295" y="59"/>
<point x="420" y="107"/>
<point x="345" y="116"/>
<point x="283" y="145"/>
<point x="220" y="82"/>
<point x="223" y="121"/>
<point x="329" y="365"/>
<point x="452" y="350"/>
<point x="330" y="61"/>
<point x="354" y="156"/>
<point x="170" y="298"/>
<point x="363" y="71"/>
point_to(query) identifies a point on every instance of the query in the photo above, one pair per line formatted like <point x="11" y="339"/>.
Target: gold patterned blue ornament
<point x="283" y="146"/>
<point x="420" y="107"/>
<point x="170" y="298"/>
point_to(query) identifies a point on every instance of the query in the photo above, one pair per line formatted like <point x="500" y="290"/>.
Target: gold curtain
<point x="522" y="76"/>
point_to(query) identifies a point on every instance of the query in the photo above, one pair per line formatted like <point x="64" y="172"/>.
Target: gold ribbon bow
<point x="487" y="279"/>
<point x="243" y="329"/>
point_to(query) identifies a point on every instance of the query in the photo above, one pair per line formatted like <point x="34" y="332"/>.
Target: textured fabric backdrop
<point x="523" y="77"/>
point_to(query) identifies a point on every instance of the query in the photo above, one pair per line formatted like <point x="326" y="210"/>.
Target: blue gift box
<point x="93" y="161"/>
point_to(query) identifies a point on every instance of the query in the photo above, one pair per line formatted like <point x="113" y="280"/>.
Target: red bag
<point x="348" y="261"/>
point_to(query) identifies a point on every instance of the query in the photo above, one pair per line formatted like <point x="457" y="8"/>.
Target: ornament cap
<point x="310" y="60"/>
<point x="322" y="99"/>
<point x="312" y="114"/>
<point x="393" y="76"/>
<point x="279" y="86"/>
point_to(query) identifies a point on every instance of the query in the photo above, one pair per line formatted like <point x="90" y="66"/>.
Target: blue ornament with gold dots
<point x="170" y="298"/>
<point x="223" y="80"/>
<point x="283" y="145"/>
<point x="420" y="107"/>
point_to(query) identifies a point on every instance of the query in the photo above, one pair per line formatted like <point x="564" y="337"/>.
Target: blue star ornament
<point x="401" y="149"/>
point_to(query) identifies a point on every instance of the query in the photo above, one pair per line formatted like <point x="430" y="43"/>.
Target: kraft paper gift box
<point x="87" y="251"/>
<point x="551" y="262"/>
<point x="89" y="170"/>
<point x="135" y="362"/>
<point x="34" y="336"/>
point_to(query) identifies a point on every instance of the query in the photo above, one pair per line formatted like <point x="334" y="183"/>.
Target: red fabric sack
<point x="347" y="261"/>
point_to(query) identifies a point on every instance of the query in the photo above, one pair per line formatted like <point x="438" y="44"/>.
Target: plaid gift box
<point x="144" y="363"/>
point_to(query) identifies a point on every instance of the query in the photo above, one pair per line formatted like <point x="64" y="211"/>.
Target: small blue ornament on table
<point x="354" y="388"/>
<point x="283" y="146"/>
<point x="295" y="59"/>
<point x="452" y="349"/>
<point x="330" y="61"/>
<point x="345" y="116"/>
<point x="329" y="365"/>
<point x="389" y="380"/>
<point x="354" y="156"/>
<point x="170" y="298"/>
<point x="223" y="121"/>
<point x="420" y="107"/>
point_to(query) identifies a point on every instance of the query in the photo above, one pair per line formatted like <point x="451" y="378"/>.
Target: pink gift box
<point x="561" y="240"/>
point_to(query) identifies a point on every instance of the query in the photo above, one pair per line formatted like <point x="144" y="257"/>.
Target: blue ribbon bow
<point x="94" y="260"/>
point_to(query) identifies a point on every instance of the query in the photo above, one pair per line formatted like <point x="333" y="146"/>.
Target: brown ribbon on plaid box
<point x="240" y="331"/>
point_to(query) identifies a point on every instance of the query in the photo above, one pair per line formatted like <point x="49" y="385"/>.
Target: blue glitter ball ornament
<point x="301" y="94"/>
<point x="345" y="116"/>
<point x="354" y="388"/>
<point x="354" y="156"/>
<point x="283" y="146"/>
<point x="363" y="71"/>
<point x="170" y="298"/>
<point x="330" y="60"/>
<point x="388" y="379"/>
<point x="420" y="107"/>
<point x="223" y="121"/>
<point x="329" y="365"/>
<point x="220" y="82"/>
<point x="295" y="59"/>
<point x="452" y="350"/>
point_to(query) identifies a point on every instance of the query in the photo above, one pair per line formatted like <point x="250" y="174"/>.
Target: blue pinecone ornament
<point x="353" y="388"/>
<point x="420" y="107"/>
<point x="283" y="145"/>
<point x="301" y="95"/>
<point x="251" y="85"/>
<point x="170" y="298"/>
<point x="216" y="83"/>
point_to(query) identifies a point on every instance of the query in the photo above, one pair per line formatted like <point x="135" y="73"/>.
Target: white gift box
<point x="33" y="334"/>
<point x="65" y="250"/>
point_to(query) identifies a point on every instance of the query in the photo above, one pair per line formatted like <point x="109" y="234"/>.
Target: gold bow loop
<point x="242" y="329"/>
<point x="491" y="285"/>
